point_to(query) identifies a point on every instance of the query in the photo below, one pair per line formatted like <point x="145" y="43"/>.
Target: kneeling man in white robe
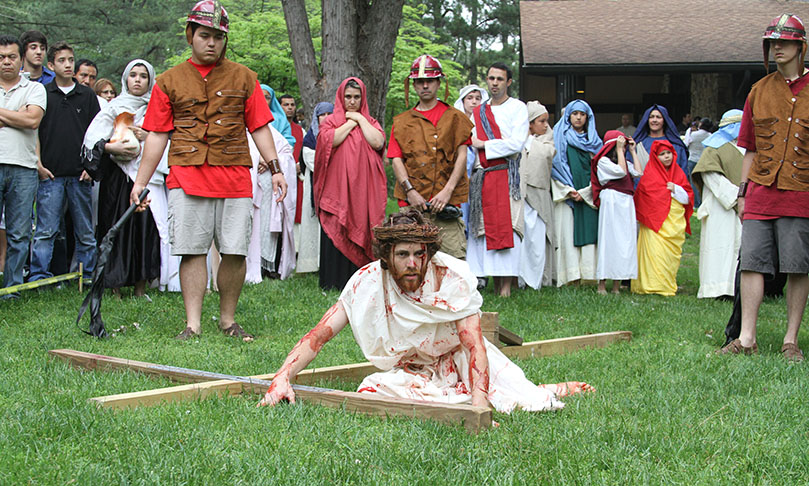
<point x="415" y="314"/>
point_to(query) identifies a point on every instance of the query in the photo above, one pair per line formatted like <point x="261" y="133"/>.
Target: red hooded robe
<point x="652" y="197"/>
<point x="350" y="186"/>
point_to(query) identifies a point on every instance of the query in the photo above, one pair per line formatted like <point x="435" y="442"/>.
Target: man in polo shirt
<point x="63" y="183"/>
<point x="22" y="105"/>
<point x="209" y="103"/>
<point x="774" y="193"/>
<point x="429" y="156"/>
<point x="35" y="49"/>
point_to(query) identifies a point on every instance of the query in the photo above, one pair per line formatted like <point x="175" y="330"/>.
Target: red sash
<point x="297" y="132"/>
<point x="495" y="199"/>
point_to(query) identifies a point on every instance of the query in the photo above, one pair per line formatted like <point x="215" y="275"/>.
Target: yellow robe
<point x="659" y="254"/>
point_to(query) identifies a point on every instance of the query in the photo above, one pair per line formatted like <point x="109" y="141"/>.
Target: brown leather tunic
<point x="429" y="152"/>
<point x="781" y="122"/>
<point x="209" y="113"/>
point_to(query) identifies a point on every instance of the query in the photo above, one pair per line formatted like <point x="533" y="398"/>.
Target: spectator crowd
<point x="523" y="201"/>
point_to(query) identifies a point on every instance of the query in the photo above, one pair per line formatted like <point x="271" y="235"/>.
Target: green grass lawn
<point x="664" y="412"/>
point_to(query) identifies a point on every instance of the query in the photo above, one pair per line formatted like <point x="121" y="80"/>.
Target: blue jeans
<point x="52" y="197"/>
<point x="697" y="197"/>
<point x="18" y="189"/>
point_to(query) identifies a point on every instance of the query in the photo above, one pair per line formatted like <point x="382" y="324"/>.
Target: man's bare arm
<point x="332" y="322"/>
<point x="153" y="150"/>
<point x="27" y="117"/>
<point x="440" y="200"/>
<point x="266" y="147"/>
<point x="471" y="337"/>
<point x="413" y="197"/>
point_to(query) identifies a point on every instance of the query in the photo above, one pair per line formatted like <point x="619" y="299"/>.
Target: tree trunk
<point x="303" y="53"/>
<point x="473" y="46"/>
<point x="705" y="95"/>
<point x="358" y="40"/>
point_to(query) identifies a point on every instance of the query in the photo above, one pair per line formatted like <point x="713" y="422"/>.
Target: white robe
<point x="572" y="262"/>
<point x="720" y="236"/>
<point x="413" y="337"/>
<point x="536" y="254"/>
<point x="617" y="226"/>
<point x="308" y="237"/>
<point x="512" y="118"/>
<point x="277" y="219"/>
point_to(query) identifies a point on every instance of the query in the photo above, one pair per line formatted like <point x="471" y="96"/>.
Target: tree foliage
<point x="479" y="32"/>
<point x="466" y="35"/>
<point x="358" y="39"/>
<point x="111" y="33"/>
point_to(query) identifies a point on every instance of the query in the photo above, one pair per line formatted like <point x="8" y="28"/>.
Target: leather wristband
<point x="275" y="167"/>
<point x="742" y="189"/>
<point x="407" y="186"/>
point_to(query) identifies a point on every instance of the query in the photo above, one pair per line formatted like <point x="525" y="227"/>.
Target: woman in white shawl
<point x="112" y="145"/>
<point x="470" y="97"/>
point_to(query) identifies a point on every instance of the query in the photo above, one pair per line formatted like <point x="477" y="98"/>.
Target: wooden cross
<point x="202" y="384"/>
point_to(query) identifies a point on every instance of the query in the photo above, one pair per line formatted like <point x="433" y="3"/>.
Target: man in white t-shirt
<point x="22" y="105"/>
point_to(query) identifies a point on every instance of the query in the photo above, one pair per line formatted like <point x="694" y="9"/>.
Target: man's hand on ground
<point x="280" y="389"/>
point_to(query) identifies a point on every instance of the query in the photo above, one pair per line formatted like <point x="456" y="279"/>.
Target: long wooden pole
<point x="473" y="418"/>
<point x="92" y="361"/>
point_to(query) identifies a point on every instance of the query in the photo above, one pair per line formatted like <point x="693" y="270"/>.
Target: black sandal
<point x="236" y="330"/>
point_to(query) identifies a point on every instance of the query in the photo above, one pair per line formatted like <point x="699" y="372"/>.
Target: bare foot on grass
<point x="568" y="388"/>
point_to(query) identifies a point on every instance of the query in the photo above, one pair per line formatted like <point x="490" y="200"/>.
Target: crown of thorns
<point x="409" y="233"/>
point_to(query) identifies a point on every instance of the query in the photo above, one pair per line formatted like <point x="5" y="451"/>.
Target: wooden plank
<point x="509" y="338"/>
<point x="550" y="347"/>
<point x="489" y="325"/>
<point x="92" y="361"/>
<point x="473" y="418"/>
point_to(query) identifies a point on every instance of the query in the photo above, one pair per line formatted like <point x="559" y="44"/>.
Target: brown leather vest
<point x="429" y="152"/>
<point x="209" y="113"/>
<point x="781" y="122"/>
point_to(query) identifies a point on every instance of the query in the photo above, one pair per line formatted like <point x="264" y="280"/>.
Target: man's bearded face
<point x="408" y="264"/>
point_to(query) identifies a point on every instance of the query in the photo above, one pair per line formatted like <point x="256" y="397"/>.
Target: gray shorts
<point x="194" y="222"/>
<point x="773" y="245"/>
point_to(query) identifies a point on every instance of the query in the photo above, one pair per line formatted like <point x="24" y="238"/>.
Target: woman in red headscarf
<point x="350" y="185"/>
<point x="663" y="204"/>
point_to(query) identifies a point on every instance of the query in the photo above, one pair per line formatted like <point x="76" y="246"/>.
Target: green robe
<point x="585" y="218"/>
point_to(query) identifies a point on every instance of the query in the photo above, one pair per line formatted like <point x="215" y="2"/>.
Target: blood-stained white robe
<point x="412" y="336"/>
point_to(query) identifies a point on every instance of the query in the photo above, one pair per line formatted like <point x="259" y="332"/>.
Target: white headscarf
<point x="484" y="96"/>
<point x="103" y="124"/>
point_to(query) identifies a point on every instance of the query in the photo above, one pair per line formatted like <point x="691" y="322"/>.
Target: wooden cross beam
<point x="495" y="333"/>
<point x="473" y="418"/>
<point x="204" y="383"/>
